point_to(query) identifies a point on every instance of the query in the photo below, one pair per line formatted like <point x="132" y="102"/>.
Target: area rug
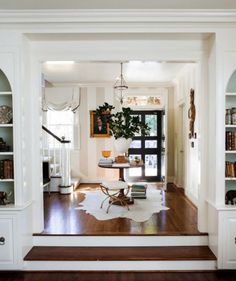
<point x="140" y="211"/>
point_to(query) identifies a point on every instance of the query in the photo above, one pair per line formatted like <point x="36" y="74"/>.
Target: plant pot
<point x="122" y="145"/>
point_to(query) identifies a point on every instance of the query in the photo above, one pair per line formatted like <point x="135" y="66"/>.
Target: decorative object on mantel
<point x="192" y="115"/>
<point x="140" y="211"/>
<point x="5" y="114"/>
<point x="123" y="126"/>
<point x="120" y="86"/>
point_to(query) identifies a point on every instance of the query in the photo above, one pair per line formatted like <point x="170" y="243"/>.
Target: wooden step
<point x="173" y="253"/>
<point x="120" y="258"/>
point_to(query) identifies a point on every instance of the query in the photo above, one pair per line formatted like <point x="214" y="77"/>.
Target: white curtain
<point x="61" y="98"/>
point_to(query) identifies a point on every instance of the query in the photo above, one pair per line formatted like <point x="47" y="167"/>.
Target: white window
<point x="61" y="124"/>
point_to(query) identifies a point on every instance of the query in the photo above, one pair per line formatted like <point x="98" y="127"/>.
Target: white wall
<point x="171" y="141"/>
<point x="186" y="80"/>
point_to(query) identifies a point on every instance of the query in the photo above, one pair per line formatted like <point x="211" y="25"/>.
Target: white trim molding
<point x="118" y="16"/>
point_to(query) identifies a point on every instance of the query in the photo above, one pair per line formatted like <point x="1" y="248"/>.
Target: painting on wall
<point x="99" y="127"/>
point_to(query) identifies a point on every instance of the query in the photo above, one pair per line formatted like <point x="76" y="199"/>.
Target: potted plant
<point x="123" y="126"/>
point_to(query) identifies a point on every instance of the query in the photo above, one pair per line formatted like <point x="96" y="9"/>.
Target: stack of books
<point x="122" y="165"/>
<point x="138" y="191"/>
<point x="106" y="161"/>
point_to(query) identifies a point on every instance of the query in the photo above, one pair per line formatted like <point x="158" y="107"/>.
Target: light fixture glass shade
<point x="120" y="87"/>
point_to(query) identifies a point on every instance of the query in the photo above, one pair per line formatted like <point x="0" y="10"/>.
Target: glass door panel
<point x="150" y="143"/>
<point x="148" y="148"/>
<point x="151" y="165"/>
<point x="151" y="120"/>
<point x="136" y="144"/>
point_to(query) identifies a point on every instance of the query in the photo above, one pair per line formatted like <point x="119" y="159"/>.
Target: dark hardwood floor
<point x="119" y="276"/>
<point x="62" y="217"/>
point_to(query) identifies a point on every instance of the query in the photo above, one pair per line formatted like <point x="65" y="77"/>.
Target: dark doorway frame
<point x="149" y="151"/>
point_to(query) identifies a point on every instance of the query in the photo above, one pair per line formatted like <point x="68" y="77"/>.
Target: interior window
<point x="61" y="123"/>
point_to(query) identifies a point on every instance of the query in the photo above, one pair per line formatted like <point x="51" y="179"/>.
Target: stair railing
<point x="64" y="156"/>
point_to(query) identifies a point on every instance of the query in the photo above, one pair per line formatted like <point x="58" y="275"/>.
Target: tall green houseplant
<point x="122" y="124"/>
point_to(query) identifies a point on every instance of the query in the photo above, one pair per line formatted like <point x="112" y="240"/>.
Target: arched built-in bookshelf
<point x="6" y="139"/>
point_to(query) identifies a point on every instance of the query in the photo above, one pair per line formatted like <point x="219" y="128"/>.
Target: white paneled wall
<point x="184" y="82"/>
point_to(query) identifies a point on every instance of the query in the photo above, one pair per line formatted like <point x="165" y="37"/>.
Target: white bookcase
<point x="6" y="134"/>
<point x="230" y="155"/>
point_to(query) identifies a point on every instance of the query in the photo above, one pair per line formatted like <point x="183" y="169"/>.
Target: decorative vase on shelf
<point x="122" y="145"/>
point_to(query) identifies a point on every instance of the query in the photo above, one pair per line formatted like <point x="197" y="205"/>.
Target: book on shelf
<point x="105" y="161"/>
<point x="230" y="169"/>
<point x="139" y="196"/>
<point x="138" y="188"/>
<point x="6" y="169"/>
<point x="230" y="140"/>
<point x="138" y="193"/>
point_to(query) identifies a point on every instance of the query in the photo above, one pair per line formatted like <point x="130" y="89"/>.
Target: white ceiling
<point x="114" y="4"/>
<point x="103" y="72"/>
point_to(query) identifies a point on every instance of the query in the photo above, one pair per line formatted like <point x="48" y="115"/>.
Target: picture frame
<point x="98" y="128"/>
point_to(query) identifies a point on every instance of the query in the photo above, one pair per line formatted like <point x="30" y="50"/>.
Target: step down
<point x="112" y="258"/>
<point x="119" y="253"/>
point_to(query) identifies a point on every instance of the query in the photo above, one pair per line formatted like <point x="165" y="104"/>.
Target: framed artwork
<point x="99" y="128"/>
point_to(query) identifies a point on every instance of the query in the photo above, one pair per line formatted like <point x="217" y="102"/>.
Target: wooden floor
<point x="62" y="217"/>
<point x="118" y="276"/>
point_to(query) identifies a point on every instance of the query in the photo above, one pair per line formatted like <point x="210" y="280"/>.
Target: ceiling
<point x="103" y="72"/>
<point x="114" y="4"/>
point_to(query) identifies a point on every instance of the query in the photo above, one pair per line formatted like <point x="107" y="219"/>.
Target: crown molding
<point x="108" y="84"/>
<point x="118" y="16"/>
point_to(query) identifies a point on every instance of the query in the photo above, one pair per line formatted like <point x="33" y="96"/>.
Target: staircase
<point x="120" y="253"/>
<point x="57" y="155"/>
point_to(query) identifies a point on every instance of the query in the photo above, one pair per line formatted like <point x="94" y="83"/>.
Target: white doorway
<point x="146" y="51"/>
<point x="181" y="148"/>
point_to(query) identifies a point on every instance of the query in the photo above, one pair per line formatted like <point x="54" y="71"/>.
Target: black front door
<point x="148" y="148"/>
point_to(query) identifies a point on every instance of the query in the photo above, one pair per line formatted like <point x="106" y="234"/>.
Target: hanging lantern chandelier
<point x="120" y="86"/>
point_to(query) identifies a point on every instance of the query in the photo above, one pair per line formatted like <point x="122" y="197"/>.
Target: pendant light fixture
<point x="120" y="86"/>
